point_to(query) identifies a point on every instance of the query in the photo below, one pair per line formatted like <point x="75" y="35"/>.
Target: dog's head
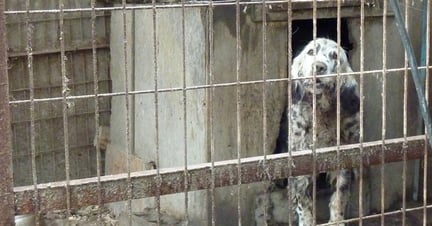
<point x="324" y="57"/>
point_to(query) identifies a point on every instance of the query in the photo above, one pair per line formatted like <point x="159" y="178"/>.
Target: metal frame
<point x="114" y="188"/>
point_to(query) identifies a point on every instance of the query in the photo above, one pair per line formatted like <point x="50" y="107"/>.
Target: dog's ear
<point x="297" y="91"/>
<point x="349" y="95"/>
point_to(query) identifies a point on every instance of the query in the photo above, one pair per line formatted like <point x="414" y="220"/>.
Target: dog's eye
<point x="310" y="52"/>
<point x="333" y="55"/>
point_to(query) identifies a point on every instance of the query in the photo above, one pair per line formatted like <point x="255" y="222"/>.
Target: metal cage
<point x="169" y="111"/>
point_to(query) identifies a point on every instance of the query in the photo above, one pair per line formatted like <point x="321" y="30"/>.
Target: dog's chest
<point x="302" y="127"/>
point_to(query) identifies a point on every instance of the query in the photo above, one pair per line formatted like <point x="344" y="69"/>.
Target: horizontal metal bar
<point x="75" y="84"/>
<point x="277" y="13"/>
<point x="22" y="20"/>
<point x="418" y="210"/>
<point x="228" y="84"/>
<point x="53" y="151"/>
<point x="169" y="5"/>
<point x="144" y="184"/>
<point x="57" y="51"/>
<point x="72" y="116"/>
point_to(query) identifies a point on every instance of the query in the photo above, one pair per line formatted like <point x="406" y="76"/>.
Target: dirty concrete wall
<point x="141" y="71"/>
<point x="170" y="105"/>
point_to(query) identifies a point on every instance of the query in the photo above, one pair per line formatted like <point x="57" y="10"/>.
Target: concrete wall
<point x="141" y="68"/>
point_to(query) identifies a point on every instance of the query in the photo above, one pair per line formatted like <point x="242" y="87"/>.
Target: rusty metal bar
<point x="211" y="98"/>
<point x="288" y="110"/>
<point x="6" y="184"/>
<point x="405" y="127"/>
<point x="238" y="112"/>
<point x="114" y="188"/>
<point x="185" y="116"/>
<point x="361" y="112"/>
<point x="58" y="51"/>
<point x="314" y="117"/>
<point x="207" y="86"/>
<point x="383" y="108"/>
<point x="301" y="4"/>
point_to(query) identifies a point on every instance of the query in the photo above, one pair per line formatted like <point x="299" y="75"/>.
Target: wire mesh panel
<point x="291" y="112"/>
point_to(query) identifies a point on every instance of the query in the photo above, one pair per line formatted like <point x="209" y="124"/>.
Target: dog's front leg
<point x="339" y="199"/>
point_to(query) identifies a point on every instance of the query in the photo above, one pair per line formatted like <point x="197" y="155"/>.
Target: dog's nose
<point x="320" y="67"/>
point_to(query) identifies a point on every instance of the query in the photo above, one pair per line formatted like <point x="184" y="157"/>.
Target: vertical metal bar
<point x="289" y="103"/>
<point x="66" y="103"/>
<point x="361" y="117"/>
<point x="238" y="115"/>
<point x="156" y="110"/>
<point x="6" y="185"/>
<point x="338" y="118"/>
<point x="426" y="77"/>
<point x="185" y="116"/>
<point x="96" y="105"/>
<point x="127" y="122"/>
<point x="314" y="116"/>
<point x="427" y="90"/>
<point x="428" y="126"/>
<point x="405" y="115"/>
<point x="264" y="77"/>
<point x="425" y="28"/>
<point x="132" y="84"/>
<point x="263" y="93"/>
<point x="383" y="107"/>
<point x="211" y="105"/>
<point x="29" y="51"/>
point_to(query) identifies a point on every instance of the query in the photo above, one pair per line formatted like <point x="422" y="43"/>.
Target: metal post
<point x="6" y="183"/>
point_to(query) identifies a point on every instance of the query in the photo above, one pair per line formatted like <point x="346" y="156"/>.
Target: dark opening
<point x="327" y="28"/>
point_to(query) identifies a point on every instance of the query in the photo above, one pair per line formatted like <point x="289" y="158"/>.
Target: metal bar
<point x="314" y="116"/>
<point x="96" y="110"/>
<point x="29" y="47"/>
<point x="288" y="111"/>
<point x="211" y="112"/>
<point x="115" y="187"/>
<point x="383" y="108"/>
<point x="361" y="112"/>
<point x="238" y="112"/>
<point x="414" y="68"/>
<point x="427" y="90"/>
<point x="12" y="54"/>
<point x="265" y="177"/>
<point x="18" y="20"/>
<point x="185" y="116"/>
<point x="423" y="55"/>
<point x="209" y="86"/>
<point x="6" y="184"/>
<point x="156" y="110"/>
<point x="301" y="4"/>
<point x="128" y="183"/>
<point x="65" y="106"/>
<point x="405" y="127"/>
<point x="386" y="214"/>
